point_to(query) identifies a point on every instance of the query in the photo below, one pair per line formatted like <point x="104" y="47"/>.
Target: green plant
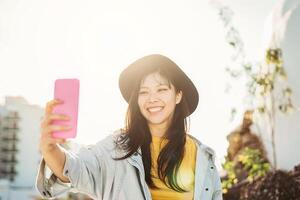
<point x="231" y="178"/>
<point x="252" y="163"/>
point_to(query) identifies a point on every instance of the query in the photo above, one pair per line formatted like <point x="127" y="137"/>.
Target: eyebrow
<point x="156" y="85"/>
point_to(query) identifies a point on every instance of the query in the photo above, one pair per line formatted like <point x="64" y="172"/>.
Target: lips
<point x="155" y="109"/>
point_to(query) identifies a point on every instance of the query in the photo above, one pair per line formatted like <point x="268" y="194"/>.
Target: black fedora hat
<point x="132" y="75"/>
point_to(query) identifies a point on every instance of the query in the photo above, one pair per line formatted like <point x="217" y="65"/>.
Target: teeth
<point x="155" y="109"/>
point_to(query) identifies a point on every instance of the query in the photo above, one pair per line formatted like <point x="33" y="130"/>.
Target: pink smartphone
<point x="66" y="90"/>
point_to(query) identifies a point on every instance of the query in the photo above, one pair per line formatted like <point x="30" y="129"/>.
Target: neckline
<point x="158" y="138"/>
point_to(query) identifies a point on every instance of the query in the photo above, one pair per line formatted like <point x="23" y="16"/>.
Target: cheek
<point x="171" y="106"/>
<point x="141" y="103"/>
<point x="170" y="101"/>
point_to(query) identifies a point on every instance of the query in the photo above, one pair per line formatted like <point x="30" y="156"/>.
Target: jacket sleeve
<point x="82" y="169"/>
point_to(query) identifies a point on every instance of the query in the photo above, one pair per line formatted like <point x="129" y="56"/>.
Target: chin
<point x="156" y="121"/>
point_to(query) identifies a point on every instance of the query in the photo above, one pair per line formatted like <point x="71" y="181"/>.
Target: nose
<point x="152" y="97"/>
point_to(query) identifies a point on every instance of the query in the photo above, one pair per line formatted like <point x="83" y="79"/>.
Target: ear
<point x="178" y="97"/>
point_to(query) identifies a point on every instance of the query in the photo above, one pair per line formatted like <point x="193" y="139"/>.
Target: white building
<point x="4" y="189"/>
<point x="8" y="143"/>
<point x="19" y="147"/>
<point x="19" y="154"/>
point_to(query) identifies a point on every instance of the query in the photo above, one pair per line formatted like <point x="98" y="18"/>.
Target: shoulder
<point x="203" y="147"/>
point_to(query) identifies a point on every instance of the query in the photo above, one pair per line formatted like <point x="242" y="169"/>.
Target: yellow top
<point x="186" y="173"/>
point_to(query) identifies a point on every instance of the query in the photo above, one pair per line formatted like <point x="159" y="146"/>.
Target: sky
<point x="41" y="41"/>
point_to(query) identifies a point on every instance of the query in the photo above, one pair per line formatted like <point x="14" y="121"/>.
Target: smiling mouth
<point x="155" y="109"/>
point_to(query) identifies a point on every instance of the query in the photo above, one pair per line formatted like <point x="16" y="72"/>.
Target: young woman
<point x="153" y="157"/>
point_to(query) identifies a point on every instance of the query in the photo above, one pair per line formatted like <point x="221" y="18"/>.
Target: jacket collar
<point x="204" y="148"/>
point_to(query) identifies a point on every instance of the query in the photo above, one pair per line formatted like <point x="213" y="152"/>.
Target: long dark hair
<point x="137" y="134"/>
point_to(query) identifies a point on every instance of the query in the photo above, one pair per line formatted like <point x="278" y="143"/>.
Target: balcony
<point x="8" y="160"/>
<point x="10" y="138"/>
<point x="6" y="149"/>
<point x="12" y="115"/>
<point x="8" y="172"/>
<point x="10" y="127"/>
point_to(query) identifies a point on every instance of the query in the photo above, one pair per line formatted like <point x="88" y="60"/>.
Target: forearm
<point x="55" y="160"/>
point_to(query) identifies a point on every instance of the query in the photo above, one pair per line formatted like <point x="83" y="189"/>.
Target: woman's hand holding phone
<point x="47" y="141"/>
<point x="64" y="106"/>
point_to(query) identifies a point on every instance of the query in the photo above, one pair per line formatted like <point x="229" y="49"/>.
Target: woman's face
<point x="156" y="100"/>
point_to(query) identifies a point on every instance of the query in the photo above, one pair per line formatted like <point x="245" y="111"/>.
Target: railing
<point x="8" y="172"/>
<point x="7" y="138"/>
<point x="7" y="160"/>
<point x="14" y="149"/>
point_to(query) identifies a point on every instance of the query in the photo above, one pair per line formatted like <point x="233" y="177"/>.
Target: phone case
<point x="66" y="90"/>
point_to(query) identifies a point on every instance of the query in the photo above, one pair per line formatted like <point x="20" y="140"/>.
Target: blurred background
<point x="241" y="55"/>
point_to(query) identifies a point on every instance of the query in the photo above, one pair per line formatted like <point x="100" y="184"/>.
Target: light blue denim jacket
<point x="93" y="171"/>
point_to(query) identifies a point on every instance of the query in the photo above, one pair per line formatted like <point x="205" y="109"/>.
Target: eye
<point x="142" y="92"/>
<point x="162" y="89"/>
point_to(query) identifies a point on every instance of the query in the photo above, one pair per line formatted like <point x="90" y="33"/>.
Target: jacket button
<point x="44" y="193"/>
<point x="135" y="153"/>
<point x="211" y="167"/>
<point x="66" y="172"/>
<point x="206" y="189"/>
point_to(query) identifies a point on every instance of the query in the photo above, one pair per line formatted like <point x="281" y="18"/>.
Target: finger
<point x="51" y="104"/>
<point x="51" y="128"/>
<point x="52" y="117"/>
<point x="49" y="118"/>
